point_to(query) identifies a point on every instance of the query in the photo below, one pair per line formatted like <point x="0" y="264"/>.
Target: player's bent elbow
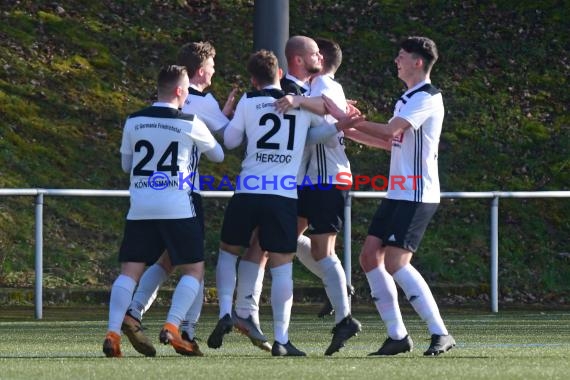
<point x="230" y="145"/>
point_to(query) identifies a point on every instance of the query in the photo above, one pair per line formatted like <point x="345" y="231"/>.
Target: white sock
<point x="182" y="299"/>
<point x="385" y="295"/>
<point x="146" y="292"/>
<point x="193" y="315"/>
<point x="226" y="281"/>
<point x="121" y="295"/>
<point x="335" y="286"/>
<point x="257" y="293"/>
<point x="282" y="300"/>
<point x="250" y="283"/>
<point x="418" y="293"/>
<point x="304" y="255"/>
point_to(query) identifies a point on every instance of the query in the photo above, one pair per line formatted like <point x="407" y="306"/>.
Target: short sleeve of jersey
<point x="202" y="136"/>
<point x="318" y="86"/>
<point x="208" y="109"/>
<point x="325" y="85"/>
<point x="328" y="86"/>
<point x="418" y="108"/>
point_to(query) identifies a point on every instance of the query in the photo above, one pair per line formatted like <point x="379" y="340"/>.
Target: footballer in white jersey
<point x="198" y="59"/>
<point x="265" y="200"/>
<point x="157" y="150"/>
<point x="321" y="205"/>
<point x="206" y="106"/>
<point x="398" y="226"/>
<point x="328" y="159"/>
<point x="164" y="144"/>
<point x="267" y="204"/>
<point x="415" y="151"/>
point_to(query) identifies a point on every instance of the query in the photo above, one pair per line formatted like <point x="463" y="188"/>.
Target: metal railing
<point x="494" y="221"/>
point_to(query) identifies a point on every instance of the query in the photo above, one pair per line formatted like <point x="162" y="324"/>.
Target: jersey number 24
<point x="167" y="162"/>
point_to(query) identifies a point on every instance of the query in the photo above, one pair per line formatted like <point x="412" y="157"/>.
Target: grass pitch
<point x="67" y="343"/>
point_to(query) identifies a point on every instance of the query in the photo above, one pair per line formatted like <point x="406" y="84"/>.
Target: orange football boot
<point x="112" y="345"/>
<point x="170" y="335"/>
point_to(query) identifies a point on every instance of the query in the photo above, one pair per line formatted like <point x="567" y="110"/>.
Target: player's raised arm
<point x="230" y="105"/>
<point x="313" y="104"/>
<point x="234" y="133"/>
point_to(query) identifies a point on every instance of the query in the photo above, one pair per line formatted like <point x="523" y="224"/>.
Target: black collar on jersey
<point x="162" y="113"/>
<point x="291" y="87"/>
<point x="272" y="92"/>
<point x="193" y="91"/>
<point x="428" y="87"/>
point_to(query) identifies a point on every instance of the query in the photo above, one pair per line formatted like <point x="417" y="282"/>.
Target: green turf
<point x="66" y="344"/>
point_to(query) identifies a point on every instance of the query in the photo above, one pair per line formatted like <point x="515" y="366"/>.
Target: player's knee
<point x="391" y="267"/>
<point x="367" y="262"/>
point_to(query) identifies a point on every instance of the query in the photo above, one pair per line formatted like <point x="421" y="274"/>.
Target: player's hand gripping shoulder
<point x="286" y="103"/>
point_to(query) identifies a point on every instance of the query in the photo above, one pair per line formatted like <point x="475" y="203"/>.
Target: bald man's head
<point x="303" y="57"/>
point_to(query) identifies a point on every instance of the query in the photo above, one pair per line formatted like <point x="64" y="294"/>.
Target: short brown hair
<point x="263" y="66"/>
<point x="169" y="78"/>
<point x="331" y="53"/>
<point x="194" y="54"/>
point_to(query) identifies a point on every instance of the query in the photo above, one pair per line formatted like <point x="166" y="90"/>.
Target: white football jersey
<point x="275" y="143"/>
<point x="328" y="159"/>
<point x="206" y="107"/>
<point x="413" y="163"/>
<point x="165" y="145"/>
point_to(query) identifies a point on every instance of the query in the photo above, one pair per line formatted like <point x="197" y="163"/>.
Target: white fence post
<point x="39" y="254"/>
<point x="347" y="238"/>
<point x="495" y="254"/>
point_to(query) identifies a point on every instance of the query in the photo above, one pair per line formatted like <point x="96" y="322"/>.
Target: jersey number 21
<point x="275" y="122"/>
